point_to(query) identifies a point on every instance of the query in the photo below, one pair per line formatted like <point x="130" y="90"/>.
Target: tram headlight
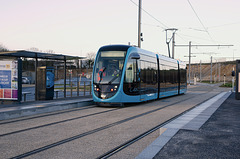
<point x="96" y="88"/>
<point x="103" y="96"/>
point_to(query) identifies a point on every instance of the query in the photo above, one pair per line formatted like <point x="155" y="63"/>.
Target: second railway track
<point x="93" y="131"/>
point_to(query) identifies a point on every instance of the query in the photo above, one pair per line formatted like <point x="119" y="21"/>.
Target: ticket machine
<point x="45" y="83"/>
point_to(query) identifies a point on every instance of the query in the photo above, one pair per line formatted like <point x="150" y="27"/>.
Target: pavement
<point x="211" y="130"/>
<point x="21" y="109"/>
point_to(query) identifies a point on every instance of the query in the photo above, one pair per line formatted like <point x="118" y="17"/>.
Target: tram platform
<point x="213" y="133"/>
<point x="21" y="109"/>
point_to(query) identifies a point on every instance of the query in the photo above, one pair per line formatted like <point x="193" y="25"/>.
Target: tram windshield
<point x="108" y="67"/>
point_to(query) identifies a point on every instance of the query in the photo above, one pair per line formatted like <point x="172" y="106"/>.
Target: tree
<point x="3" y="48"/>
<point x="90" y="59"/>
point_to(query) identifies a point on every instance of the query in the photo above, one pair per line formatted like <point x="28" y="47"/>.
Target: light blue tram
<point x="127" y="74"/>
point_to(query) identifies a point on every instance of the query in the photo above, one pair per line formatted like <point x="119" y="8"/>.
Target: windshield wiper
<point x="113" y="79"/>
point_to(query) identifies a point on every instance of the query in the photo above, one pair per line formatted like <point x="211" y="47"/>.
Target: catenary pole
<point x="200" y="70"/>
<point x="173" y="44"/>
<point x="139" y="22"/>
<point x="211" y="71"/>
<point x="190" y="45"/>
<point x="219" y="67"/>
<point x="189" y="65"/>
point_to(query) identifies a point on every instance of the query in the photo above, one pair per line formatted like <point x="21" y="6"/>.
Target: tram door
<point x="136" y="74"/>
<point x="132" y="76"/>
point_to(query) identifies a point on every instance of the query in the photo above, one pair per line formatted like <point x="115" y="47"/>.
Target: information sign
<point x="9" y="79"/>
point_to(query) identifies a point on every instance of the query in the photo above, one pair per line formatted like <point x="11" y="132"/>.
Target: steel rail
<point x="146" y="133"/>
<point x="47" y="114"/>
<point x="58" y="122"/>
<point x="97" y="130"/>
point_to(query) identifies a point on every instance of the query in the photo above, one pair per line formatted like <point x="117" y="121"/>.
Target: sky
<point x="79" y="27"/>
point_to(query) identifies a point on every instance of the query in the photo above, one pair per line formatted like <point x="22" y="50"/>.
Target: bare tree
<point x="49" y="51"/>
<point x="3" y="48"/>
<point x="33" y="49"/>
<point x="90" y="59"/>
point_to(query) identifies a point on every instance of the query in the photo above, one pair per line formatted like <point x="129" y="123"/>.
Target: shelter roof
<point x="31" y="54"/>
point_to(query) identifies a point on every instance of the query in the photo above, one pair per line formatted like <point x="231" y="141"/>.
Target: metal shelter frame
<point x="40" y="55"/>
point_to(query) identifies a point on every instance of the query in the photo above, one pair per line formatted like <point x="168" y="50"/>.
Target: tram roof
<point x="114" y="47"/>
<point x="41" y="55"/>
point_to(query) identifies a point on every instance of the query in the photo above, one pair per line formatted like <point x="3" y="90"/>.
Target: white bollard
<point x="195" y="80"/>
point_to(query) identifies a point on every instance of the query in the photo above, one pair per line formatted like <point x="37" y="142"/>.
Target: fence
<point x="203" y="72"/>
<point x="77" y="84"/>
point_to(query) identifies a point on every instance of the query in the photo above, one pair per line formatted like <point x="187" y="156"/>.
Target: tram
<point x="127" y="74"/>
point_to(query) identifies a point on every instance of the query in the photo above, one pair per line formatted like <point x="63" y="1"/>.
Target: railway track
<point x="117" y="148"/>
<point x="146" y="133"/>
<point x="45" y="115"/>
<point x="58" y="122"/>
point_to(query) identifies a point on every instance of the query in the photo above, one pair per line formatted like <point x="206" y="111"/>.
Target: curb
<point x="42" y="108"/>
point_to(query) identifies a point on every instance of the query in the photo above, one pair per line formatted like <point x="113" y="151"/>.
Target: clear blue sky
<point x="78" y="27"/>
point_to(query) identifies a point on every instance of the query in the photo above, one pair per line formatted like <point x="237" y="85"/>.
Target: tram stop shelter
<point x="11" y="70"/>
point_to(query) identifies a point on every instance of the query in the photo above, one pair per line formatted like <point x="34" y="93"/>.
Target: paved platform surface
<point x="217" y="137"/>
<point x="36" y="107"/>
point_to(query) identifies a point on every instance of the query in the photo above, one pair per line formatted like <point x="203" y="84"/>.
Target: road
<point x="91" y="131"/>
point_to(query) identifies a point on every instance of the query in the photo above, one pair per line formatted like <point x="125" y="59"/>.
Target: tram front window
<point x="108" y="67"/>
<point x="108" y="73"/>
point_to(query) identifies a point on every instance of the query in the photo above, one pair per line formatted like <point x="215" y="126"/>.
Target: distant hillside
<point x="222" y="67"/>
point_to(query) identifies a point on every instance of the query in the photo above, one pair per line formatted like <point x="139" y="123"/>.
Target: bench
<point x="25" y="95"/>
<point x="56" y="91"/>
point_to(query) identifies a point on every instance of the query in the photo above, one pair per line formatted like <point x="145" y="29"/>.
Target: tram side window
<point x="183" y="75"/>
<point x="162" y="78"/>
<point x="172" y="80"/>
<point x="130" y="75"/>
<point x="148" y="77"/>
<point x="167" y="76"/>
<point x="154" y="74"/>
<point x="143" y="74"/>
<point x="148" y="72"/>
<point x="131" y="84"/>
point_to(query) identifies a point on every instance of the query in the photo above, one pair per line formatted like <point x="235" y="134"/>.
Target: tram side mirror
<point x="233" y="73"/>
<point x="135" y="56"/>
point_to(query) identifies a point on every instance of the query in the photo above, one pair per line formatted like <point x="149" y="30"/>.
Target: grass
<point x="209" y="82"/>
<point x="61" y="84"/>
<point x="227" y="85"/>
<point x="75" y="88"/>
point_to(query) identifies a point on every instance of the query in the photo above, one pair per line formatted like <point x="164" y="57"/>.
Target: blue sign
<point x="5" y="79"/>
<point x="50" y="79"/>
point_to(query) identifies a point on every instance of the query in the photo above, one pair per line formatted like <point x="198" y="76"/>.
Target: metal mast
<point x="169" y="40"/>
<point x="190" y="45"/>
<point x="139" y="22"/>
